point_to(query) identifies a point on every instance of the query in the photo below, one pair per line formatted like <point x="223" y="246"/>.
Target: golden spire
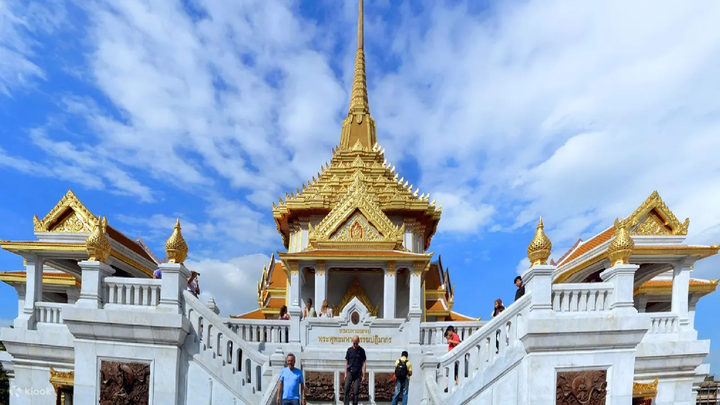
<point x="176" y="248"/>
<point x="358" y="130"/>
<point x="97" y="243"/>
<point x="622" y="245"/>
<point x="540" y="247"/>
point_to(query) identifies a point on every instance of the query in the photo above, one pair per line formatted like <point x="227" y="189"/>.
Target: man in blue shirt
<point x="291" y="390"/>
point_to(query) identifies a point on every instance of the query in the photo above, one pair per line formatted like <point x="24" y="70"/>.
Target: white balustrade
<point x="261" y="330"/>
<point x="131" y="291"/>
<point x="581" y="297"/>
<point x="485" y="346"/>
<point x="663" y="323"/>
<point x="433" y="333"/>
<point x="49" y="312"/>
<point x="232" y="360"/>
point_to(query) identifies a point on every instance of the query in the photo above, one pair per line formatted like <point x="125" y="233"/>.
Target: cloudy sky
<point x="210" y="110"/>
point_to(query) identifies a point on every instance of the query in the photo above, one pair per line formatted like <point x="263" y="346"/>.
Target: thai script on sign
<point x="356" y="331"/>
<point x="348" y="339"/>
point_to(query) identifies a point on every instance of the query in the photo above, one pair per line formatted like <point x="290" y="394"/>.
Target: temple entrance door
<point x="364" y="283"/>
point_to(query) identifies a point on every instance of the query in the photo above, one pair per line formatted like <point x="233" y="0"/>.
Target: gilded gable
<point x="653" y="217"/>
<point x="68" y="216"/>
<point x="357" y="228"/>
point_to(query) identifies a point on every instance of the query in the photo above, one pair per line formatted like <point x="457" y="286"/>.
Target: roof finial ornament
<point x="97" y="243"/>
<point x="540" y="247"/>
<point x="176" y="248"/>
<point x="622" y="245"/>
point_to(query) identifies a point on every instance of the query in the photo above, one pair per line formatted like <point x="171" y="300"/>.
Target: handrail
<point x="218" y="324"/>
<point x="270" y="395"/>
<point x="581" y="297"/>
<point x="488" y="329"/>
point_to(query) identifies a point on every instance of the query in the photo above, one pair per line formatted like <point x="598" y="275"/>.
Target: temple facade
<point x="610" y="322"/>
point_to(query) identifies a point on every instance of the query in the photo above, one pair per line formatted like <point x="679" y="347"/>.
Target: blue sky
<point x="211" y="110"/>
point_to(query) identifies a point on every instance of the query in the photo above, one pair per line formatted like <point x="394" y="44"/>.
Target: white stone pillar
<point x="173" y="283"/>
<point x="294" y="307"/>
<point x="622" y="277"/>
<point x="681" y="290"/>
<point x="21" y="306"/>
<point x="389" y="291"/>
<point x="320" y="285"/>
<point x="73" y="293"/>
<point x="91" y="291"/>
<point x="692" y="304"/>
<point x="538" y="280"/>
<point x="415" y="286"/>
<point x="33" y="291"/>
<point x="641" y="303"/>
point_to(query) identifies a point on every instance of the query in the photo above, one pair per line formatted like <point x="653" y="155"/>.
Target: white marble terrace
<point x="511" y="359"/>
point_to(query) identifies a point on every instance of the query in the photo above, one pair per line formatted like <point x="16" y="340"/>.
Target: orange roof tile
<point x="587" y="246"/>
<point x="456" y="317"/>
<point x="275" y="303"/>
<point x="666" y="283"/>
<point x="434" y="305"/>
<point x="278" y="279"/>
<point x="256" y="314"/>
<point x="432" y="279"/>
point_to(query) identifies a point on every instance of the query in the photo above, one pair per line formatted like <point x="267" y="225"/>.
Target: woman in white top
<point x="325" y="310"/>
<point x="193" y="284"/>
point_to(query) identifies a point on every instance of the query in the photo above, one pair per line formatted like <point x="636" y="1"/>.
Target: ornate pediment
<point x="653" y="217"/>
<point x="355" y="291"/>
<point x="68" y="216"/>
<point x="357" y="219"/>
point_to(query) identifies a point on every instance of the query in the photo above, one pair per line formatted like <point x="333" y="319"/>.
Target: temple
<point x="611" y="321"/>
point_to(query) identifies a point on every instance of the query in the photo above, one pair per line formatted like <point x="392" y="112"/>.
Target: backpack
<point x="401" y="370"/>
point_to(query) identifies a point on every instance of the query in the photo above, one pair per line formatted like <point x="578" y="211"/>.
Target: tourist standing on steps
<point x="453" y="340"/>
<point x="291" y="389"/>
<point x="354" y="370"/>
<point x="157" y="274"/>
<point x="309" y="310"/>
<point x="284" y="315"/>
<point x="403" y="372"/>
<point x="499" y="307"/>
<point x="193" y="284"/>
<point x="520" y="288"/>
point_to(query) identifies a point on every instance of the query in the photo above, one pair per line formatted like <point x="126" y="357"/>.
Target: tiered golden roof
<point x="540" y="247"/>
<point x="176" y="248"/>
<point x="357" y="156"/>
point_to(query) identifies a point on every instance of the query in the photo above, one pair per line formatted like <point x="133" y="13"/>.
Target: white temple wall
<point x="338" y="284"/>
<point x="202" y="388"/>
<point x="32" y="386"/>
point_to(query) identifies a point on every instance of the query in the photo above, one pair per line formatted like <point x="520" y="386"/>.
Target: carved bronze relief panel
<point x="320" y="386"/>
<point x="384" y="387"/>
<point x="363" y="395"/>
<point x="587" y="387"/>
<point x="124" y="383"/>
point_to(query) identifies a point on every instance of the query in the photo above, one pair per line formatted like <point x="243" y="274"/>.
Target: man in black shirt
<point x="355" y="366"/>
<point x="520" y="288"/>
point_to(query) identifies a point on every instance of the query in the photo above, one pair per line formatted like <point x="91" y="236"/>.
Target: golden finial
<point x="622" y="245"/>
<point x="176" y="248"/>
<point x="97" y="243"/>
<point x="540" y="247"/>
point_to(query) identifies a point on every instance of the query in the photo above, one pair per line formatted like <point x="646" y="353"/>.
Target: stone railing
<point x="49" y="312"/>
<point x="484" y="347"/>
<point x="433" y="333"/>
<point x="581" y="297"/>
<point x="260" y="330"/>
<point x="241" y="368"/>
<point x="663" y="323"/>
<point x="131" y="291"/>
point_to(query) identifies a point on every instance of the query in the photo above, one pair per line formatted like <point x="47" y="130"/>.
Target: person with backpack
<point x="403" y="372"/>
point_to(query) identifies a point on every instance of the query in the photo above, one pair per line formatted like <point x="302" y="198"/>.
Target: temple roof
<point x="357" y="157"/>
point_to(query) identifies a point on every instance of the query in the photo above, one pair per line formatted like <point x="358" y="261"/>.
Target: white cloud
<point x="232" y="283"/>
